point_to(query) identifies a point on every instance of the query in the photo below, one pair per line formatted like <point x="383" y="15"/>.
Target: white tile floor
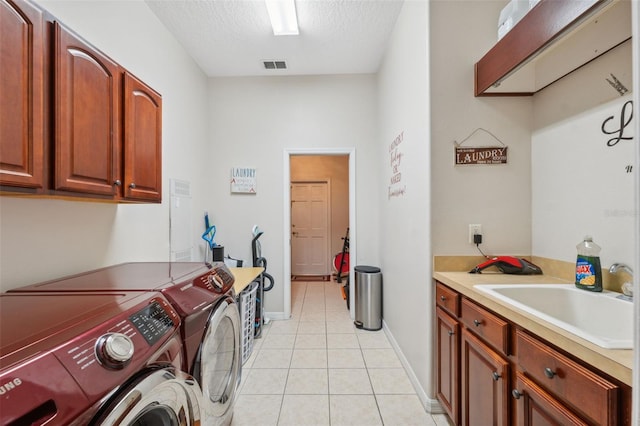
<point x="318" y="369"/>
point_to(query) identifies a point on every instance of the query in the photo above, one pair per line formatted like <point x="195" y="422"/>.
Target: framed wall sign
<point x="243" y="180"/>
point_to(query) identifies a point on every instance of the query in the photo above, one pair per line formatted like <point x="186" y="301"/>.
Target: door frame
<point x="325" y="181"/>
<point x="288" y="152"/>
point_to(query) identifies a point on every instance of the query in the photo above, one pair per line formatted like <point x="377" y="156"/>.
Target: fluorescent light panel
<point x="282" y="14"/>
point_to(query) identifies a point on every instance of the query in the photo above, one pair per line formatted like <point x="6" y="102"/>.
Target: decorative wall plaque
<point x="243" y="180"/>
<point x="480" y="154"/>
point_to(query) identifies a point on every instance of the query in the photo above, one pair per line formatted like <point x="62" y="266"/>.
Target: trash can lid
<point x="367" y="269"/>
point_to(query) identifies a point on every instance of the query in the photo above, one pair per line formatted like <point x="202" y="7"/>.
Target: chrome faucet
<point x="627" y="287"/>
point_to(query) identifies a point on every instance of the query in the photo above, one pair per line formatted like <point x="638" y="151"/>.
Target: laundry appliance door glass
<point x="162" y="397"/>
<point x="219" y="363"/>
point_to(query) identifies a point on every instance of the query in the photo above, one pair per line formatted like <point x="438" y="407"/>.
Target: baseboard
<point x="430" y="405"/>
<point x="275" y="316"/>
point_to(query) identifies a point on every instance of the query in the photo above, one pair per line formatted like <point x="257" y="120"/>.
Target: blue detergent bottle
<point x="588" y="269"/>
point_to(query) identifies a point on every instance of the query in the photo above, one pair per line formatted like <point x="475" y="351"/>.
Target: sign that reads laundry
<point x="481" y="155"/>
<point x="243" y="180"/>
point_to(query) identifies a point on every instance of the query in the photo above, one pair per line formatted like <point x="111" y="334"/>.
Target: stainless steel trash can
<point x="368" y="297"/>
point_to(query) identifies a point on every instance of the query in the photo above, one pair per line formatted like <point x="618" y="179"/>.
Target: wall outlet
<point x="473" y="230"/>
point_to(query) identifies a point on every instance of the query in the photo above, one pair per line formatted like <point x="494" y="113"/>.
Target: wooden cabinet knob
<point x="477" y="322"/>
<point x="132" y="185"/>
<point x="117" y="182"/>
<point x="443" y="298"/>
<point x="549" y="373"/>
<point x="516" y="394"/>
<point x="496" y="376"/>
<point x="451" y="333"/>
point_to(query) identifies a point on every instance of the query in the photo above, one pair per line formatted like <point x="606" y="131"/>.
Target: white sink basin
<point x="601" y="318"/>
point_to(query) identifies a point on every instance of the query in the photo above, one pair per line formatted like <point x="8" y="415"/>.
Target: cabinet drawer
<point x="582" y="389"/>
<point x="485" y="324"/>
<point x="448" y="299"/>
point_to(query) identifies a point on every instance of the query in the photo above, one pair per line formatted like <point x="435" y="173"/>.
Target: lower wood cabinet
<point x="492" y="372"/>
<point x="484" y="383"/>
<point x="536" y="407"/>
<point x="448" y="337"/>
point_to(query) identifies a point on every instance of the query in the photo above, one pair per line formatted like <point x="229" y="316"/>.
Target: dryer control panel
<point x="218" y="280"/>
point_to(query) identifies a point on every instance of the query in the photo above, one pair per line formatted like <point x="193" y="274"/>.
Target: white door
<point x="310" y="228"/>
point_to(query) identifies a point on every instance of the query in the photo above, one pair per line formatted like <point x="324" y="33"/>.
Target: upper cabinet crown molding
<point x="555" y="38"/>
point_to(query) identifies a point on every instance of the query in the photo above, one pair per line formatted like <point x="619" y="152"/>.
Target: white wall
<point x="496" y="196"/>
<point x="253" y="121"/>
<point x="403" y="85"/>
<point x="582" y="186"/>
<point x="44" y="239"/>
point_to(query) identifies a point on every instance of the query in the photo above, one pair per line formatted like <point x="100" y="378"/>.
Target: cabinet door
<point x="87" y="87"/>
<point x="448" y="364"/>
<point x="142" y="141"/>
<point x="485" y="383"/>
<point x="535" y="407"/>
<point x="22" y="95"/>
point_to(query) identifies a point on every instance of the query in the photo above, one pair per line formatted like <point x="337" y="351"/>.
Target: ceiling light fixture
<point x="282" y="14"/>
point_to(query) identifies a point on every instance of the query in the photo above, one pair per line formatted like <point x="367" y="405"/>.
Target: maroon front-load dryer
<point x="202" y="295"/>
<point x="93" y="358"/>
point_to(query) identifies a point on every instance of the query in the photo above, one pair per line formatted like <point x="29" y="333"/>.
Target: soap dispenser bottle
<point x="588" y="269"/>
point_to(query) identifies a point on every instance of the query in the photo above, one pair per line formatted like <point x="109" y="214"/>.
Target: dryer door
<point x="166" y="397"/>
<point x="218" y="363"/>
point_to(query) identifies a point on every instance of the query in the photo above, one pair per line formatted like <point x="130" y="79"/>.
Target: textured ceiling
<point x="234" y="37"/>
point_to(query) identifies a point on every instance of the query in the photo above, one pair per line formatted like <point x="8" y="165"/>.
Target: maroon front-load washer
<point x="93" y="358"/>
<point x="202" y="295"/>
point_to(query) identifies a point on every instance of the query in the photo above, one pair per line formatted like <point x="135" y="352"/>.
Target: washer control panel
<point x="112" y="351"/>
<point x="152" y="322"/>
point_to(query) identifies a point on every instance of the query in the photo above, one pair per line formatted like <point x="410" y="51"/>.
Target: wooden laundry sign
<point x="480" y="154"/>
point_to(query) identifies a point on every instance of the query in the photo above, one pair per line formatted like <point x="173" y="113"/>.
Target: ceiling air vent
<point x="275" y="65"/>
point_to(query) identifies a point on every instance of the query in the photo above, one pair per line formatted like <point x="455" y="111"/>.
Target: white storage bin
<point x="247" y="301"/>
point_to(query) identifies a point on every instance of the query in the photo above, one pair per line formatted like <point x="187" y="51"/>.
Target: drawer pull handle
<point x="477" y="322"/>
<point x="549" y="373"/>
<point x="132" y="185"/>
<point x="117" y="182"/>
<point x="496" y="376"/>
<point x="516" y="394"/>
<point x="443" y="298"/>
<point x="451" y="333"/>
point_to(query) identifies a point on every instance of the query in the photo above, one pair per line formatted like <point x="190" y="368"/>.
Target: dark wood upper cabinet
<point x="555" y="38"/>
<point x="73" y="122"/>
<point x="142" y="141"/>
<point x="87" y="99"/>
<point x="22" y="99"/>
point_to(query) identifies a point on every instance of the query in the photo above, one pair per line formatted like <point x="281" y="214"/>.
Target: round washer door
<point x="165" y="397"/>
<point x="218" y="364"/>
